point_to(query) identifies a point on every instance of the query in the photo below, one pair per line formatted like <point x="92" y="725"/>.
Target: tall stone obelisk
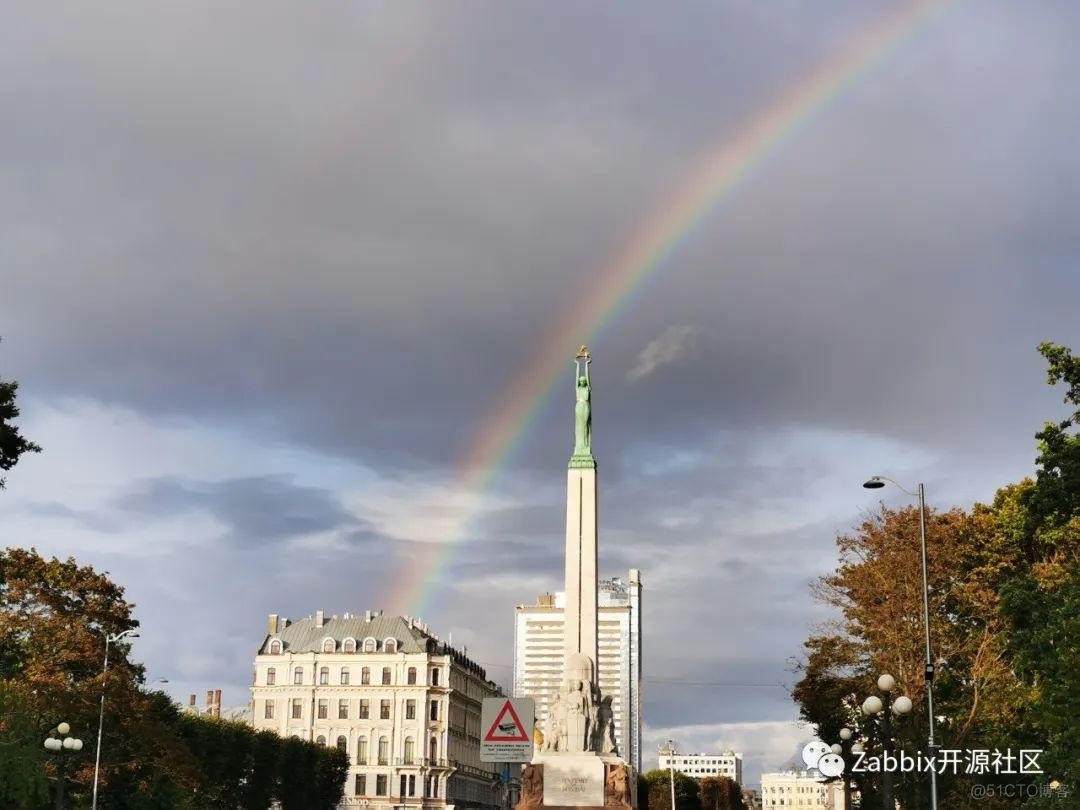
<point x="581" y="539"/>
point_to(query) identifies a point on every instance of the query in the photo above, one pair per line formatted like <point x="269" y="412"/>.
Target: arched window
<point x="412" y="675"/>
<point x="361" y="751"/>
<point x="434" y="677"/>
<point x="369" y="645"/>
<point x="321" y="740"/>
<point x="433" y="749"/>
<point x="271" y="676"/>
<point x="298" y="675"/>
<point x="410" y="752"/>
<point x="344" y="676"/>
<point x="275" y="647"/>
<point x="386" y="676"/>
<point x="384" y="751"/>
<point x="342" y="743"/>
<point x="365" y="675"/>
<point x="390" y="646"/>
<point x="328" y="645"/>
<point x="348" y="645"/>
<point x="324" y="676"/>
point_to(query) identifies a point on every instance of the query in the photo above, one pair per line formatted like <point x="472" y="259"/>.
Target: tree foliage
<point x="721" y="793"/>
<point x="658" y="792"/>
<point x="12" y="443"/>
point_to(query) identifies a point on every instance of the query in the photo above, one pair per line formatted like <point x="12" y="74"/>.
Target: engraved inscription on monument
<point x="574" y="781"/>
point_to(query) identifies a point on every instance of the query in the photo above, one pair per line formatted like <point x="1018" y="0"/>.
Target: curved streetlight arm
<point x="101" y="712"/>
<point x="896" y="484"/>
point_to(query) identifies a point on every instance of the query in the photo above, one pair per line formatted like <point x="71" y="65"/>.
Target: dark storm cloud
<point x="254" y="510"/>
<point x="349" y="228"/>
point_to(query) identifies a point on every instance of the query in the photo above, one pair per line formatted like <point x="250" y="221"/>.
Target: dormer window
<point x="369" y="645"/>
<point x="348" y="645"/>
<point x="275" y="647"/>
<point x="328" y="645"/>
<point x="390" y="646"/>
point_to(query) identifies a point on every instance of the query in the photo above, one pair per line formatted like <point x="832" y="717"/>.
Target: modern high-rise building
<point x="539" y="651"/>
<point x="800" y="790"/>
<point x="699" y="766"/>
<point x="402" y="704"/>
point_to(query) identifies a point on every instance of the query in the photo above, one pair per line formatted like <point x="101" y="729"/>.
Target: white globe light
<point x="845" y="734"/>
<point x="48" y="744"/>
<point x="63" y="728"/>
<point x="886" y="683"/>
<point x="902" y="705"/>
<point x="837" y="748"/>
<point x="872" y="705"/>
<point x="77" y="746"/>
<point x="68" y="742"/>
<point x="857" y="748"/>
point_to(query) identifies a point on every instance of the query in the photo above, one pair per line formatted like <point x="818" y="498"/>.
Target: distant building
<point x="402" y="704"/>
<point x="751" y="799"/>
<point x="213" y="708"/>
<point x="539" y="651"/>
<point x="800" y="790"/>
<point x="699" y="766"/>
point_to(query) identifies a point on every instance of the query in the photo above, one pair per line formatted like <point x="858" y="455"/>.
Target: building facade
<point x="800" y="790"/>
<point x="404" y="706"/>
<point x="699" y="766"/>
<point x="539" y="652"/>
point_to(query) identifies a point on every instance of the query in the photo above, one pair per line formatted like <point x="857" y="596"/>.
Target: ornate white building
<point x="539" y="653"/>
<point x="699" y="766"/>
<point x="800" y="790"/>
<point x="403" y="705"/>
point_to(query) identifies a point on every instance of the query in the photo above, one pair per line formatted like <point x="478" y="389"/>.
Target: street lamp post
<point x="877" y="482"/>
<point x="59" y="746"/>
<point x="874" y="705"/>
<point x="101" y="714"/>
<point x="845" y="737"/>
<point x="671" y="768"/>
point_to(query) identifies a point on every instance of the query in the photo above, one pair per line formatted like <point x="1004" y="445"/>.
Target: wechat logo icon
<point x="817" y="754"/>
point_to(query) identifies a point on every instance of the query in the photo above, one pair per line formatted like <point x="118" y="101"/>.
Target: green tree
<point x="12" y="443"/>
<point x="721" y="793"/>
<point x="22" y="758"/>
<point x="659" y="790"/>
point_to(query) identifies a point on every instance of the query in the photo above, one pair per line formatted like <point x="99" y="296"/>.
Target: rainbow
<point x="722" y="171"/>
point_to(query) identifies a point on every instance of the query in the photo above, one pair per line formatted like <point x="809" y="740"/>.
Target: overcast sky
<point x="267" y="266"/>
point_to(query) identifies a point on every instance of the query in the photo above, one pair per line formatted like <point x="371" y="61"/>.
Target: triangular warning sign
<point x="508" y="729"/>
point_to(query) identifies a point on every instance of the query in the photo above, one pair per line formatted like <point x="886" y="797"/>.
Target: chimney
<point x="367" y="615"/>
<point x="217" y="703"/>
<point x="272" y="624"/>
<point x="318" y="618"/>
<point x="210" y="702"/>
<point x="192" y="701"/>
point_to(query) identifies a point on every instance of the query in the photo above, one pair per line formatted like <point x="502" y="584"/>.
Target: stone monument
<point x="578" y="763"/>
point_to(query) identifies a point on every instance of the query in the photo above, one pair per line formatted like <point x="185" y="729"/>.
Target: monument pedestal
<point x="564" y="780"/>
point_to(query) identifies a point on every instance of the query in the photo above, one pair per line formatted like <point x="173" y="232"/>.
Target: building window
<point x="361" y="784"/>
<point x="386" y="676"/>
<point x="433" y="749"/>
<point x="412" y="785"/>
<point x="342" y="743"/>
<point x="380" y="785"/>
<point x="384" y="709"/>
<point x="365" y="710"/>
<point x="344" y="676"/>
<point x="412" y="675"/>
<point x="361" y="751"/>
<point x="297" y="708"/>
<point x="343" y="709"/>
<point x="321" y="740"/>
<point x="328" y="645"/>
<point x="434" y="677"/>
<point x="403" y="785"/>
<point x="271" y="676"/>
<point x="410" y="746"/>
<point x="365" y="675"/>
<point x="323" y="709"/>
<point x="324" y="676"/>
<point x="275" y="647"/>
<point x="390" y="646"/>
<point x="268" y="710"/>
<point x="434" y="710"/>
<point x="298" y="675"/>
<point x="348" y="645"/>
<point x="433" y="789"/>
<point x="384" y="751"/>
<point x="410" y="709"/>
<point x="369" y="645"/>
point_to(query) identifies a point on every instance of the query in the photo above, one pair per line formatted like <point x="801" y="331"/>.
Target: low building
<point x="800" y="790"/>
<point x="699" y="766"/>
<point x="402" y="704"/>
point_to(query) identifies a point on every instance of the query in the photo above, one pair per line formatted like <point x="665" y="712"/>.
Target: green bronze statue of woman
<point x="583" y="407"/>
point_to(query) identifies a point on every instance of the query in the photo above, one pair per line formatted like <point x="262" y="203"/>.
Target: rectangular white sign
<point x="574" y="781"/>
